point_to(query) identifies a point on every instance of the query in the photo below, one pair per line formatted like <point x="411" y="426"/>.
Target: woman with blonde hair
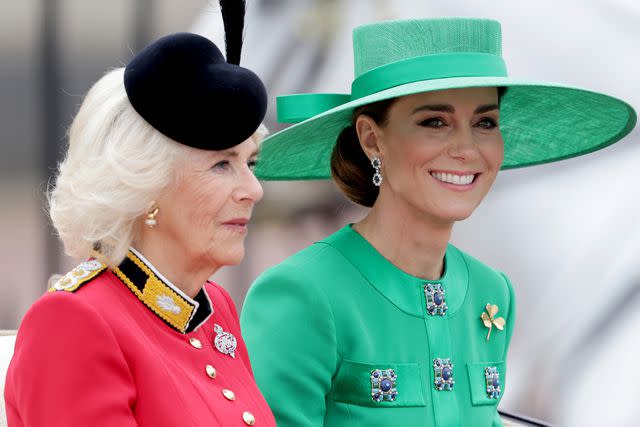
<point x="155" y="194"/>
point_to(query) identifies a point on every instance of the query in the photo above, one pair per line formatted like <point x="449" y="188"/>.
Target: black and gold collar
<point x="169" y="303"/>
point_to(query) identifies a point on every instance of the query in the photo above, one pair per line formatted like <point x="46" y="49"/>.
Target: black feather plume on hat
<point x="233" y="18"/>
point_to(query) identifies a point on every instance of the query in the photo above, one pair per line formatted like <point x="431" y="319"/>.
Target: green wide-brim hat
<point x="540" y="122"/>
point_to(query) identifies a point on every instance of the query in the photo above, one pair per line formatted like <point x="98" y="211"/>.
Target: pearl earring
<point x="152" y="211"/>
<point x="377" y="176"/>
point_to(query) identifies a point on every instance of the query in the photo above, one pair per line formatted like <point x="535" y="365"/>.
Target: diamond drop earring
<point x="377" y="176"/>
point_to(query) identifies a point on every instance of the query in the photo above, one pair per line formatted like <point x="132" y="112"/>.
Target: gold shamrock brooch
<point x="489" y="319"/>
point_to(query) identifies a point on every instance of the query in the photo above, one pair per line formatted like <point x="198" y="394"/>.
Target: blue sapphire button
<point x="383" y="385"/>
<point x="492" y="382"/>
<point x="443" y="374"/>
<point x="435" y="298"/>
<point x="446" y="374"/>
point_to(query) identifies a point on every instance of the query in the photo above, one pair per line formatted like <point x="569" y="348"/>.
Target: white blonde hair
<point x="116" y="164"/>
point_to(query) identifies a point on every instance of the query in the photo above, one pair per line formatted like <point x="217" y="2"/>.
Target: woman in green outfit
<point x="384" y="323"/>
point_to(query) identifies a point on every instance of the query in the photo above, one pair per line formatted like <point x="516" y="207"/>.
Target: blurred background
<point x="565" y="233"/>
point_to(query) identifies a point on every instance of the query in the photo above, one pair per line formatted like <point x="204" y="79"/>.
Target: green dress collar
<point x="405" y="291"/>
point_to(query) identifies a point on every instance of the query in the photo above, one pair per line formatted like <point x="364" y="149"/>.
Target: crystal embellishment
<point x="492" y="380"/>
<point x="383" y="385"/>
<point x="443" y="374"/>
<point x="436" y="302"/>
<point x="225" y="342"/>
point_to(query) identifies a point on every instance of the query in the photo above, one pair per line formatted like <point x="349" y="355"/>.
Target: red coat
<point x="98" y="356"/>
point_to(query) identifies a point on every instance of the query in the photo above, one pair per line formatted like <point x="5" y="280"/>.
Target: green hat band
<point x="299" y="107"/>
<point x="429" y="67"/>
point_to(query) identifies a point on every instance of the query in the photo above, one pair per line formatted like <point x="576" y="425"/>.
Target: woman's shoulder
<point x="56" y="311"/>
<point x="314" y="261"/>
<point x="82" y="294"/>
<point x="77" y="288"/>
<point x="491" y="278"/>
<point x="302" y="279"/>
<point x="60" y="314"/>
<point x="490" y="288"/>
<point x="474" y="264"/>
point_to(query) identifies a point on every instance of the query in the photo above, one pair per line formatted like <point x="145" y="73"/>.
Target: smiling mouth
<point x="455" y="179"/>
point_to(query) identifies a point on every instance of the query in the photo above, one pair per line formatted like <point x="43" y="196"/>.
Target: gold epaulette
<point x="80" y="275"/>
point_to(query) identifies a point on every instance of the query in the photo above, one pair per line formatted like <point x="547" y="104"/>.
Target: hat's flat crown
<point x="391" y="41"/>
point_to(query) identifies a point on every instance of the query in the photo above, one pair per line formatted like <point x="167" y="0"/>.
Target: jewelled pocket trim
<point x="383" y="385"/>
<point x="492" y="379"/>
<point x="481" y="382"/>
<point x="355" y="384"/>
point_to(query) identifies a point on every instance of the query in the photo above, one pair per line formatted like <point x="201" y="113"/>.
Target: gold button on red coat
<point x="229" y="394"/>
<point x="195" y="342"/>
<point x="248" y="418"/>
<point x="211" y="371"/>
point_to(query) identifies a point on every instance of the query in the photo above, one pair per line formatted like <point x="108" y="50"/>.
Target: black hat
<point x="182" y="85"/>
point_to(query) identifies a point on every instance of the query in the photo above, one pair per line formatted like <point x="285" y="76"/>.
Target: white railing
<point x="7" y="342"/>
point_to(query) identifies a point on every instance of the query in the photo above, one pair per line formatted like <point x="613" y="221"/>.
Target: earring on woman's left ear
<point x="152" y="211"/>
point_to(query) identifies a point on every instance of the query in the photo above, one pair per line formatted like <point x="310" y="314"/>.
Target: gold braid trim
<point x="159" y="297"/>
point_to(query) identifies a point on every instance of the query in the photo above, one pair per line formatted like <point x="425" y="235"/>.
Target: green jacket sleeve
<point x="511" y="320"/>
<point x="497" y="421"/>
<point x="288" y="326"/>
<point x="511" y="317"/>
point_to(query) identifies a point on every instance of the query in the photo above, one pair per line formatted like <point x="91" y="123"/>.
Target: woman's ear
<point x="369" y="135"/>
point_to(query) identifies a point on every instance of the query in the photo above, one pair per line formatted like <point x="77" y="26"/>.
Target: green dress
<point x="339" y="336"/>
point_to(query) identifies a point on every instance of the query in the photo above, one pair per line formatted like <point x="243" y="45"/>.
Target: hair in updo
<point x="350" y="167"/>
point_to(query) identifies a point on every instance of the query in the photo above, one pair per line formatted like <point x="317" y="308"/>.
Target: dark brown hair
<point x="350" y="167"/>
